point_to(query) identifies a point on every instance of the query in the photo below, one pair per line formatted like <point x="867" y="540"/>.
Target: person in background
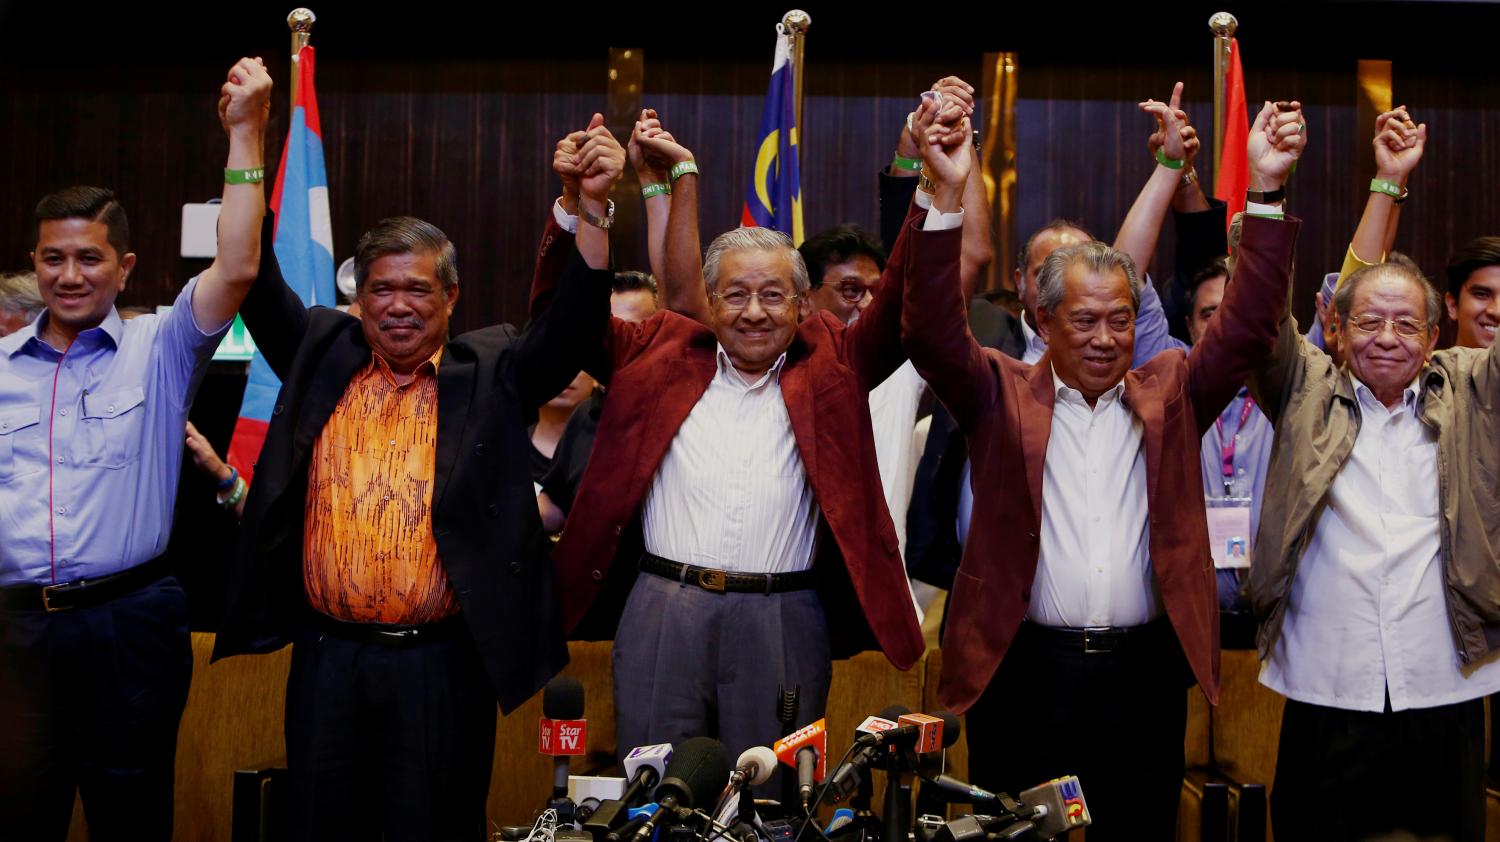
<point x="20" y="301"/>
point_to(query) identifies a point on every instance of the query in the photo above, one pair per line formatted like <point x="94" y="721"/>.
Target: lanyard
<point x="1227" y="443"/>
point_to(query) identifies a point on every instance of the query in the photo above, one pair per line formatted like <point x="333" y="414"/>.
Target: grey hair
<point x="1343" y="297"/>
<point x="1097" y="258"/>
<point x="405" y="235"/>
<point x="748" y="238"/>
<point x="19" y="294"/>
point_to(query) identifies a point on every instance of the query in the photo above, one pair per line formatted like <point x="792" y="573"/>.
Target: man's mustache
<point x="393" y="324"/>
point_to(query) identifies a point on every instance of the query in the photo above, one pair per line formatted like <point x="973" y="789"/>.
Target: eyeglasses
<point x="853" y="292"/>
<point x="771" y="300"/>
<point x="1405" y="328"/>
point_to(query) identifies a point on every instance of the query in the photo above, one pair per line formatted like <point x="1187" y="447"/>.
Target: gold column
<point x="1372" y="98"/>
<point x="627" y="74"/>
<point x="998" y="164"/>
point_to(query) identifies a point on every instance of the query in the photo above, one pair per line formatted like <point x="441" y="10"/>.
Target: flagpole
<point x="1223" y="26"/>
<point x="796" y="23"/>
<point x="300" y="22"/>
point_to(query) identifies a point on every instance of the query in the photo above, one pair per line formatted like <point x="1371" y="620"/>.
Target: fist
<point x="600" y="160"/>
<point x="245" y="98"/>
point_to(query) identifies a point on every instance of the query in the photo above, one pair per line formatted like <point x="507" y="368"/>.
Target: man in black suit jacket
<point x="411" y="574"/>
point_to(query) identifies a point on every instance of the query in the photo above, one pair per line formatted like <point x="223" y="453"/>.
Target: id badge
<point x="1229" y="531"/>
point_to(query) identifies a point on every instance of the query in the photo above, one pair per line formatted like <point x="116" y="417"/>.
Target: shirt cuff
<point x="939" y="221"/>
<point x="922" y="198"/>
<point x="1269" y="211"/>
<point x="566" y="221"/>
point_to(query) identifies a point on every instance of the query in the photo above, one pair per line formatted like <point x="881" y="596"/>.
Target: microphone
<point x="806" y="750"/>
<point x="695" y="776"/>
<point x="644" y="767"/>
<point x="753" y="768"/>
<point x="1057" y="806"/>
<point x="922" y="733"/>
<point x="937" y="788"/>
<point x="846" y="778"/>
<point x="562" y="731"/>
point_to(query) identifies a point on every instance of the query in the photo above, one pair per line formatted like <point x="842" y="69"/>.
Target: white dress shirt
<point x="1366" y="610"/>
<point x="732" y="492"/>
<point x="1095" y="563"/>
<point x="893" y="414"/>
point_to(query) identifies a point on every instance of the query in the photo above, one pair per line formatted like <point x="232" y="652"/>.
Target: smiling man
<point x="1378" y="578"/>
<point x="1473" y="296"/>
<point x="95" y="657"/>
<point x="392" y="534"/>
<point x="1085" y="605"/>
<point x="736" y="443"/>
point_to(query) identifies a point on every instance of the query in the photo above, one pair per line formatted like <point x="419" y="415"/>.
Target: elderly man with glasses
<point x="735" y="447"/>
<point x="1377" y="578"/>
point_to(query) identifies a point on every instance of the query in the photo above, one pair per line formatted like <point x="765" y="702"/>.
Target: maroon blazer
<point x="1005" y="409"/>
<point x="656" y="372"/>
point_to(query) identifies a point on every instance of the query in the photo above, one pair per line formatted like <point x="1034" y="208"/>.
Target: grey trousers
<point x="691" y="663"/>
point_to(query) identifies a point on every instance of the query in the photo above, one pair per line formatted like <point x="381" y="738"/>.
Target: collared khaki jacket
<point x="1313" y="407"/>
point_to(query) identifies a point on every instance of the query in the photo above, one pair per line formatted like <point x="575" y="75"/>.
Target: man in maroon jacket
<point x="737" y="440"/>
<point x="1087" y="568"/>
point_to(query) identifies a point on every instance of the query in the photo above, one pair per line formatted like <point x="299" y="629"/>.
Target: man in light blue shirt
<point x="95" y="658"/>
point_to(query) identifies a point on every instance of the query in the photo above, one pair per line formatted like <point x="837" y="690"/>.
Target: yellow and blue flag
<point x="774" y="197"/>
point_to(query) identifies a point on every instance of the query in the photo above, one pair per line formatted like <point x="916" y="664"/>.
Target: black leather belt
<point x="723" y="581"/>
<point x="83" y="593"/>
<point x="384" y="634"/>
<point x="1099" y="640"/>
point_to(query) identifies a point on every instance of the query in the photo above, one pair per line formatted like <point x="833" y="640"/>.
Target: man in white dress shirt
<point x="1378" y="585"/>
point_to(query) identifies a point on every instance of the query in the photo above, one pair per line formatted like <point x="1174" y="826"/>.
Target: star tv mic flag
<point x="303" y="244"/>
<point x="774" y="197"/>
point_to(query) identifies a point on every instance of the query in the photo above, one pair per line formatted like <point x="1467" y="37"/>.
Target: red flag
<point x="1233" y="176"/>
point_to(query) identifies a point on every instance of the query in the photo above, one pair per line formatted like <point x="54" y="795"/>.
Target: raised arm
<point x="1398" y="144"/>
<point x="1142" y="225"/>
<point x="656" y="192"/>
<point x="1244" y="332"/>
<point x="934" y="315"/>
<point x="244" y="108"/>
<point x="681" y="281"/>
<point x="563" y="337"/>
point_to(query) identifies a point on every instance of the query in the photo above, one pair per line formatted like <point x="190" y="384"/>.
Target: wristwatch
<point x="603" y="222"/>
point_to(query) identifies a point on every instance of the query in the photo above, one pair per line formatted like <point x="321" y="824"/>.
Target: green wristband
<point x="1389" y="188"/>
<point x="908" y="164"/>
<point x="681" y="169"/>
<point x="659" y="188"/>
<point x="1169" y="163"/>
<point x="254" y="175"/>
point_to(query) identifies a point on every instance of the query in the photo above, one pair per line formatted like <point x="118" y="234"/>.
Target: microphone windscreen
<point x="762" y="759"/>
<point x="562" y="698"/>
<point x="893" y="712"/>
<point x="952" y="727"/>
<point x="697" y="772"/>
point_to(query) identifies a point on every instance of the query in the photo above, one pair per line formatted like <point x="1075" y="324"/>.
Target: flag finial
<point x="796" y="21"/>
<point x="1223" y="24"/>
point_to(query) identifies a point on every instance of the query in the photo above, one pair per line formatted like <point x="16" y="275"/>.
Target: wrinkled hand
<point x="1174" y="136"/>
<point x="565" y="164"/>
<point x="946" y="131"/>
<point x="204" y="456"/>
<point x="657" y="148"/>
<point x="245" y="97"/>
<point x="953" y="90"/>
<point x="1398" y="145"/>
<point x="600" y="161"/>
<point x="1276" y="141"/>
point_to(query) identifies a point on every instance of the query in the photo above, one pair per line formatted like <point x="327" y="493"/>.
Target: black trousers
<point x="90" y="700"/>
<point x="1355" y="775"/>
<point x="1116" y="720"/>
<point x="387" y="740"/>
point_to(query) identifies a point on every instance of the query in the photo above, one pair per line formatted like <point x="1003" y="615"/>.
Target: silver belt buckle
<point x="1089" y="637"/>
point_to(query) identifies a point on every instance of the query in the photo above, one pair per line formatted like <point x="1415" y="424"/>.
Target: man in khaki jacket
<point x="1378" y="574"/>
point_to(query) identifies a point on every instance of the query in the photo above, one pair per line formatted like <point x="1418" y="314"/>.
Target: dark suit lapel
<point x="347" y="354"/>
<point x="1141" y="396"/>
<point x="1036" y="428"/>
<point x="455" y="391"/>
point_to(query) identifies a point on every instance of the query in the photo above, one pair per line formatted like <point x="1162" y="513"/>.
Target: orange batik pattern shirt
<point x="367" y="548"/>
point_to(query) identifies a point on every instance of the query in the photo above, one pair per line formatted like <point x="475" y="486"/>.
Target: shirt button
<point x="596" y="575"/>
<point x="110" y="408"/>
<point x="62" y="412"/>
<point x="618" y="530"/>
<point x="1242" y="471"/>
<point x="62" y="510"/>
<point x="59" y="460"/>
